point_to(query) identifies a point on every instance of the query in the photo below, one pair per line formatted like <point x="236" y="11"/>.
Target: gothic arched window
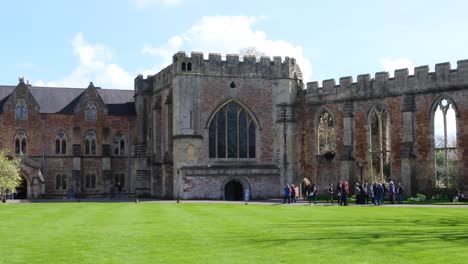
<point x="232" y="133"/>
<point x="21" y="142"/>
<point x="119" y="144"/>
<point x="445" y="143"/>
<point x="378" y="125"/>
<point x="21" y="110"/>
<point x="326" y="133"/>
<point x="90" y="143"/>
<point x="90" y="111"/>
<point x="60" y="143"/>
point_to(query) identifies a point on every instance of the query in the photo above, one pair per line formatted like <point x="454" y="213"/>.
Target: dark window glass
<point x="57" y="181"/>
<point x="221" y="134"/>
<point x="57" y="146"/>
<point x="93" y="146"/>
<point x="189" y="66"/>
<point x="87" y="146"/>
<point x="252" y="140"/>
<point x="183" y="66"/>
<point x="23" y="146"/>
<point x="232" y="131"/>
<point x="242" y="135"/>
<point x="17" y="146"/>
<point x="64" y="147"/>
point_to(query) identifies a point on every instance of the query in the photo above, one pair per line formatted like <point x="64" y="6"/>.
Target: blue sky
<point x="69" y="43"/>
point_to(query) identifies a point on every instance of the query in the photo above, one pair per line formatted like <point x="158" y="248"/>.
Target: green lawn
<point x="230" y="233"/>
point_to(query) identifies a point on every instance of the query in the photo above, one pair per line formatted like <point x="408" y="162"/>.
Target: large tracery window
<point x="90" y="111"/>
<point x="21" y="110"/>
<point x="90" y="143"/>
<point x="60" y="144"/>
<point x="326" y="133"/>
<point x="20" y="142"/>
<point x="445" y="144"/>
<point x="378" y="123"/>
<point x="232" y="133"/>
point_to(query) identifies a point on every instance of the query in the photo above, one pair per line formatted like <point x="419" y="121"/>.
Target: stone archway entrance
<point x="22" y="190"/>
<point x="233" y="191"/>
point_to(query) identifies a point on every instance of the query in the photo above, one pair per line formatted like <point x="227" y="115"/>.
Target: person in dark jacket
<point x="286" y="194"/>
<point x="391" y="192"/>
<point x="313" y="194"/>
<point x="399" y="192"/>
<point x="344" y="193"/>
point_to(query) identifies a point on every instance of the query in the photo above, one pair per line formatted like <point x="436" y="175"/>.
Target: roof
<point x="62" y="100"/>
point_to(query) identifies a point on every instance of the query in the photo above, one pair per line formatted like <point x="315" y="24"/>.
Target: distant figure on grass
<point x="379" y="193"/>
<point x="338" y="191"/>
<point x="391" y="192"/>
<point x="399" y="192"/>
<point x="330" y="193"/>
<point x="119" y="190"/>
<point x="313" y="194"/>
<point x="293" y="193"/>
<point x="286" y="193"/>
<point x="246" y="196"/>
<point x="344" y="193"/>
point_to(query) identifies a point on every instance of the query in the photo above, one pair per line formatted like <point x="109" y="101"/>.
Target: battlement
<point x="382" y="85"/>
<point x="233" y="65"/>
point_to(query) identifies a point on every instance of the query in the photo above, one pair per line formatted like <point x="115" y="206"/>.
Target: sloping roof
<point x="62" y="100"/>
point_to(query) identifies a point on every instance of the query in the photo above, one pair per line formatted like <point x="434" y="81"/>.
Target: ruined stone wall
<point x="408" y="100"/>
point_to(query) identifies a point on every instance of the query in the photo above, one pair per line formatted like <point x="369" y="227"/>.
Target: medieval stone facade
<point x="215" y="128"/>
<point x="70" y="140"/>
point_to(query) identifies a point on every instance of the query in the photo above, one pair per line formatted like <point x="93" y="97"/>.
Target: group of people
<point x="309" y="192"/>
<point x="377" y="191"/>
<point x="374" y="193"/>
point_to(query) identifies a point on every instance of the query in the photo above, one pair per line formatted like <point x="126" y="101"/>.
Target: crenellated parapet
<point x="232" y="65"/>
<point x="143" y="85"/>
<point x="382" y="85"/>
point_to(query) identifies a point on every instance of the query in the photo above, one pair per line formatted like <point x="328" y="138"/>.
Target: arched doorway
<point x="233" y="191"/>
<point x="22" y="190"/>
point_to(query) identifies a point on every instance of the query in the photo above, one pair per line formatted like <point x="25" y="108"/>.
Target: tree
<point x="10" y="178"/>
<point x="251" y="51"/>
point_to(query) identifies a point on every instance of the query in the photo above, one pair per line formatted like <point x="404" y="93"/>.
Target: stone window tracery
<point x="90" y="143"/>
<point x="21" y="110"/>
<point x="445" y="143"/>
<point x="232" y="133"/>
<point x="90" y="111"/>
<point x="326" y="133"/>
<point x="378" y="124"/>
<point x="21" y="142"/>
<point x="60" y="143"/>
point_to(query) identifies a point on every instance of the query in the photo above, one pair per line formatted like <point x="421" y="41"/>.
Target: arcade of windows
<point x="232" y="133"/>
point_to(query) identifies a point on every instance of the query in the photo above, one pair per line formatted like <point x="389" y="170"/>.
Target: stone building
<point x="215" y="128"/>
<point x="68" y="138"/>
<point x="212" y="128"/>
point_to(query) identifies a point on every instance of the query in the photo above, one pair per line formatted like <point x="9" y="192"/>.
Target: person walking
<point x="293" y="193"/>
<point x="338" y="192"/>
<point x="330" y="193"/>
<point x="391" y="192"/>
<point x="313" y="194"/>
<point x="286" y="194"/>
<point x="399" y="193"/>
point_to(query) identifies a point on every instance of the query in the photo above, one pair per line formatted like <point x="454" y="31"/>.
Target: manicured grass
<point x="230" y="233"/>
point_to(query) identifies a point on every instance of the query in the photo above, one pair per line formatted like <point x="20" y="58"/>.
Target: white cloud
<point x="94" y="65"/>
<point x="227" y="34"/>
<point x="151" y="3"/>
<point x="390" y="65"/>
